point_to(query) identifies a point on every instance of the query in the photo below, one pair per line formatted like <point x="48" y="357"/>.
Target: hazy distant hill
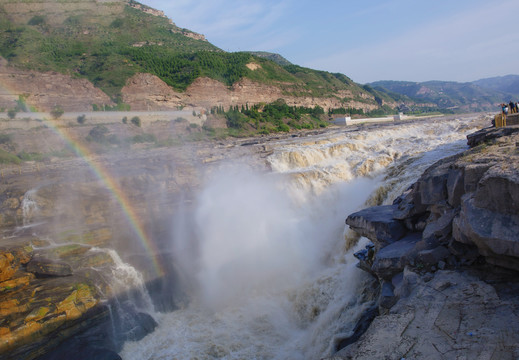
<point x="447" y="95"/>
<point x="508" y="84"/>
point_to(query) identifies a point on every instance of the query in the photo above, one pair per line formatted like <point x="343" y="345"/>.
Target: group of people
<point x="511" y="108"/>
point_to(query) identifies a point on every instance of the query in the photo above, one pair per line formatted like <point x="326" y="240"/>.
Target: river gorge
<point x="233" y="250"/>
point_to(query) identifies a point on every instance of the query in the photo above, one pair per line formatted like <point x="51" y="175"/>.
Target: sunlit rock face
<point x="461" y="220"/>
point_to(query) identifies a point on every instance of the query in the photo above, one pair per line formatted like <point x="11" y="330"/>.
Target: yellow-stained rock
<point x="17" y="282"/>
<point x="77" y="303"/>
<point x="37" y="314"/>
<point x="12" y="306"/>
<point x="8" y="265"/>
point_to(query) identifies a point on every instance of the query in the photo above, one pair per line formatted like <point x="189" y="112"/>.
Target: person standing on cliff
<point x="512" y="107"/>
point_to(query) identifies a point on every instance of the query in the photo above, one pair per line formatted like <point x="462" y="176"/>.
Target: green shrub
<point x="180" y="120"/>
<point x="144" y="138"/>
<point x="25" y="156"/>
<point x="136" y="121"/>
<point x="98" y="134"/>
<point x="283" y="127"/>
<point x="37" y="20"/>
<point x="57" y="111"/>
<point x="117" y="23"/>
<point x="8" y="158"/>
<point x="81" y="119"/>
<point x="5" y="138"/>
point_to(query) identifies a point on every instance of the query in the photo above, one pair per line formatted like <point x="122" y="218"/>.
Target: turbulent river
<point x="271" y="274"/>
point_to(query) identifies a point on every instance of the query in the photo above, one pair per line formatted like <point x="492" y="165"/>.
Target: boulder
<point x="46" y="267"/>
<point x="8" y="265"/>
<point x="498" y="189"/>
<point x="493" y="233"/>
<point x="377" y="224"/>
<point x="392" y="259"/>
<point x="440" y="228"/>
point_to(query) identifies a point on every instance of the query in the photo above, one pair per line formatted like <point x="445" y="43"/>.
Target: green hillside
<point x="99" y="48"/>
<point x="108" y="42"/>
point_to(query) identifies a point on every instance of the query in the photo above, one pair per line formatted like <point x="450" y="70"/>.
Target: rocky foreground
<point x="446" y="254"/>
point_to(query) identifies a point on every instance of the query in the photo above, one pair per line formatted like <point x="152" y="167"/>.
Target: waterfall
<point x="29" y="207"/>
<point x="273" y="273"/>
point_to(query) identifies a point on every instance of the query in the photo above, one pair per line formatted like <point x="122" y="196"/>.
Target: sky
<point x="370" y="40"/>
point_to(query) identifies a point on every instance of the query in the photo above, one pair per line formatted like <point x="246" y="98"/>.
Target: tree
<point x="136" y="121"/>
<point x="98" y="134"/>
<point x="57" y="111"/>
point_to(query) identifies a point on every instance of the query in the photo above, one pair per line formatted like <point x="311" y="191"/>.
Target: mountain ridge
<point x="479" y="95"/>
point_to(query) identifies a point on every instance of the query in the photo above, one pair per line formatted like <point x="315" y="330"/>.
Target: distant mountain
<point x="447" y="95"/>
<point x="508" y="84"/>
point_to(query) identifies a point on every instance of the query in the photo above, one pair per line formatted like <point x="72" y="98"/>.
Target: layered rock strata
<point x="444" y="252"/>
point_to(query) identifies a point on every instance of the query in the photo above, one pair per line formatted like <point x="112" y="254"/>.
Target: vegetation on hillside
<point x="109" y="49"/>
<point x="444" y="95"/>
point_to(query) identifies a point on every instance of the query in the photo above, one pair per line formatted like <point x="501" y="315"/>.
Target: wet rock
<point x="377" y="224"/>
<point x="40" y="315"/>
<point x="19" y="280"/>
<point x="46" y="267"/>
<point x="392" y="259"/>
<point x="360" y="328"/>
<point x="365" y="257"/>
<point x="8" y="265"/>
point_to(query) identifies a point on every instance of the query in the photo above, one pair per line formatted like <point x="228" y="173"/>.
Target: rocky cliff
<point x="148" y="92"/>
<point x="446" y="254"/>
<point x="43" y="91"/>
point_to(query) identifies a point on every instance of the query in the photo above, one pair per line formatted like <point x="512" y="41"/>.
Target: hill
<point x="446" y="95"/>
<point x="508" y="84"/>
<point x="112" y="43"/>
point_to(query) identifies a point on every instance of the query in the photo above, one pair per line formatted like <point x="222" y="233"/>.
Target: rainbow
<point x="109" y="182"/>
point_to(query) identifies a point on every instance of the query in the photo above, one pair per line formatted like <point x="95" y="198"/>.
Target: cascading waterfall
<point x="273" y="277"/>
<point x="29" y="207"/>
<point x="127" y="280"/>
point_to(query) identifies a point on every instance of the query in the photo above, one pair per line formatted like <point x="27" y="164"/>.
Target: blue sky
<point x="413" y="40"/>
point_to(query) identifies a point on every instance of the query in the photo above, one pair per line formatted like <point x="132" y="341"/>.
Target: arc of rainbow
<point x="111" y="185"/>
